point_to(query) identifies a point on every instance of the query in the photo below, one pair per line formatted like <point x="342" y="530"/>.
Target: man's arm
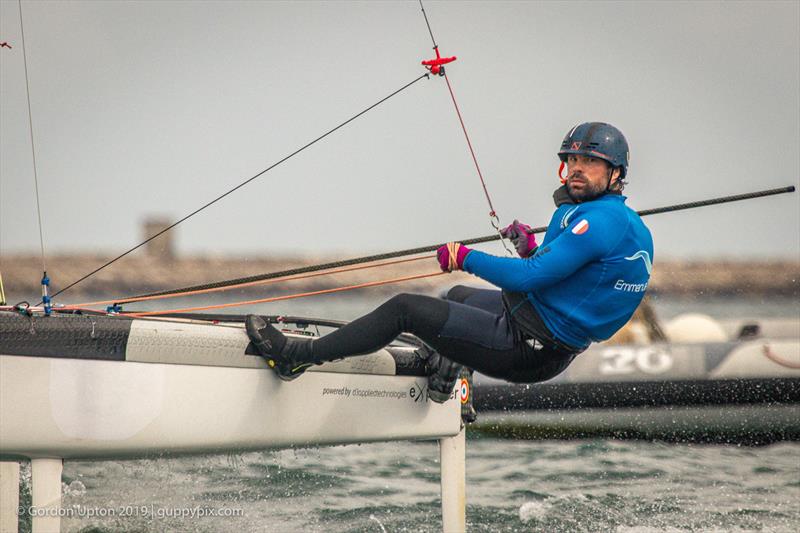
<point x="586" y="239"/>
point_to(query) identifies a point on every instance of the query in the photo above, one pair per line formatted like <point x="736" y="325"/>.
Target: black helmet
<point x="600" y="140"/>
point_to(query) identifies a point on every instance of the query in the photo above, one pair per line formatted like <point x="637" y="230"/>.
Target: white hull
<point x="81" y="409"/>
<point x="190" y="388"/>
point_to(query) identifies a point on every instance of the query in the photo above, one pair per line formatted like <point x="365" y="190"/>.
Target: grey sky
<point x="157" y="107"/>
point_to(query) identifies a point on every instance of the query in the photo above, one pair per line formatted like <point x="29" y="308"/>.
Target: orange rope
<point x="769" y="354"/>
<point x="247" y="284"/>
<point x="287" y="297"/>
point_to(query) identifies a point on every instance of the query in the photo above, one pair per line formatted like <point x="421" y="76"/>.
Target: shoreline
<point x="21" y="274"/>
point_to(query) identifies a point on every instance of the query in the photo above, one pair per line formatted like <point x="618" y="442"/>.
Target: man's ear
<point x="614" y="181"/>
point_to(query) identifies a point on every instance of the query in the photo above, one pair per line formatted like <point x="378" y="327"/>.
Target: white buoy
<point x="454" y="484"/>
<point x="9" y="496"/>
<point x="46" y="495"/>
<point x="694" y="328"/>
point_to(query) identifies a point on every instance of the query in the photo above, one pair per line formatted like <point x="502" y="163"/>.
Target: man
<point x="579" y="286"/>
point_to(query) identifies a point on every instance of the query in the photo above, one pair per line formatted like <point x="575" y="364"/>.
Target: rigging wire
<point x="493" y="218"/>
<point x="237" y="285"/>
<point x="33" y="147"/>
<point x="220" y="197"/>
<point x="435" y="46"/>
<point x="493" y="215"/>
<point x="492" y="212"/>
<point x="286" y="297"/>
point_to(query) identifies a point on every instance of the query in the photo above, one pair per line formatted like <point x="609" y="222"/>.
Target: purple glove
<point x="451" y="256"/>
<point x="524" y="242"/>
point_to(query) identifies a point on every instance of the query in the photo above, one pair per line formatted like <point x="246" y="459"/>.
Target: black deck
<point x="70" y="336"/>
<point x="103" y="337"/>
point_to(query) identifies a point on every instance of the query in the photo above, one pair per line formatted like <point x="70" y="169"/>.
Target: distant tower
<point x="163" y="246"/>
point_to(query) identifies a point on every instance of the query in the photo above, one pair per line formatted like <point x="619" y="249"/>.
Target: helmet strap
<point x="610" y="177"/>
<point x="560" y="170"/>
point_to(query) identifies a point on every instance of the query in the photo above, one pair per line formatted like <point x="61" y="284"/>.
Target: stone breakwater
<point x="147" y="273"/>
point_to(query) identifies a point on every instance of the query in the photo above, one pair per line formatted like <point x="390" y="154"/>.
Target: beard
<point x="587" y="191"/>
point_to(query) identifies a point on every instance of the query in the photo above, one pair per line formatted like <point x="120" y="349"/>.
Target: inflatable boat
<point x="711" y="381"/>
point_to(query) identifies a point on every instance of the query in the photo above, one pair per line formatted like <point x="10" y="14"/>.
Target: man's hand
<point x="451" y="256"/>
<point x="524" y="242"/>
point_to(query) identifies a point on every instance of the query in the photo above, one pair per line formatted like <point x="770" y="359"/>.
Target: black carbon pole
<point x="433" y="247"/>
<point x="715" y="201"/>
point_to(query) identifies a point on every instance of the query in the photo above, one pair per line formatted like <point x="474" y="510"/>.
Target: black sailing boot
<point x="442" y="376"/>
<point x="287" y="356"/>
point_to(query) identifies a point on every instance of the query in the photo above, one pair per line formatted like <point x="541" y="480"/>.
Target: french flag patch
<point x="581" y="227"/>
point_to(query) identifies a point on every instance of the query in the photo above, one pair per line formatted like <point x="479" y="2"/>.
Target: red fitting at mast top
<point x="436" y="66"/>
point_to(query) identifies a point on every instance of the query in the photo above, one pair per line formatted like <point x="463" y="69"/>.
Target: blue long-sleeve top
<point x="588" y="275"/>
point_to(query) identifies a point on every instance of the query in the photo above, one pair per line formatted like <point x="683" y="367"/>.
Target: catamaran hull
<point x="181" y="388"/>
<point x="72" y="409"/>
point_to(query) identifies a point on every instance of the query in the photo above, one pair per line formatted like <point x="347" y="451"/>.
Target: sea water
<point x="599" y="485"/>
<point x="588" y="485"/>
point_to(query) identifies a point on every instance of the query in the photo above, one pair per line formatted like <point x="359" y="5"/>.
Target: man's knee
<point x="458" y="293"/>
<point x="418" y="313"/>
<point x="410" y="305"/>
<point x="403" y="303"/>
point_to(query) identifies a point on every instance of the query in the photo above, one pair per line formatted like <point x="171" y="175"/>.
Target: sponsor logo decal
<point x="644" y="256"/>
<point x="576" y="145"/>
<point x="624" y="286"/>
<point x="418" y="392"/>
<point x="373" y="393"/>
<point x="567" y="215"/>
<point x="581" y="227"/>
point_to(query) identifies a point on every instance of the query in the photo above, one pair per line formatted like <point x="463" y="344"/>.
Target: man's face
<point x="588" y="177"/>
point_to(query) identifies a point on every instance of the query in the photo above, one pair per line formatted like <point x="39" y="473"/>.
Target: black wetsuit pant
<point x="471" y="326"/>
